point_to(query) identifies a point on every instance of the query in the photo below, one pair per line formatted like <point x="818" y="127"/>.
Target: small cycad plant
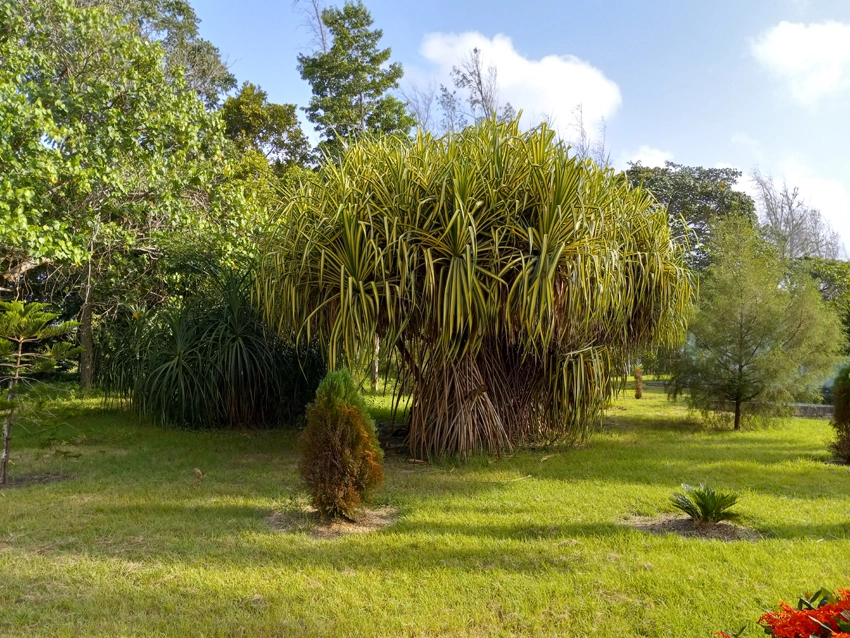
<point x="341" y="460"/>
<point x="705" y="505"/>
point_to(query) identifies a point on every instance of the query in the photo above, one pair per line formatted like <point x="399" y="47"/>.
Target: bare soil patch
<point x="306" y="519"/>
<point x="683" y="526"/>
<point x="34" y="479"/>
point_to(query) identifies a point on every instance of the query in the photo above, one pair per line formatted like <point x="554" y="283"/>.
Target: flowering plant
<point x="822" y="615"/>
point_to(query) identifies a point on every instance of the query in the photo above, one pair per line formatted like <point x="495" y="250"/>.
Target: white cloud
<point x="812" y="59"/>
<point x="646" y="155"/>
<point x="549" y="88"/>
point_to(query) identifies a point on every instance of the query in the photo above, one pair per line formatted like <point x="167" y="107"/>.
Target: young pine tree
<point x="25" y="329"/>
<point x="761" y="337"/>
<point x="341" y="460"/>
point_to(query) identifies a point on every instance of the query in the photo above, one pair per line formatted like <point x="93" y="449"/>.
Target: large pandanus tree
<point x="513" y="280"/>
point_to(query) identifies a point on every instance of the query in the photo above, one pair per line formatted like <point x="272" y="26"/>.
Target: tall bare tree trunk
<point x="86" y="340"/>
<point x="737" y="414"/>
<point x="375" y="364"/>
<point x="7" y="440"/>
<point x="7" y="421"/>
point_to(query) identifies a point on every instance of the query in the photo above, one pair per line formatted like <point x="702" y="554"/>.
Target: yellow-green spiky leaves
<point x="480" y="256"/>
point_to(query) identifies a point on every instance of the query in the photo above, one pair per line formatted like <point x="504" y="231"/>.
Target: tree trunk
<point x="86" y="340"/>
<point x="737" y="414"/>
<point x="7" y="421"/>
<point x="375" y="364"/>
<point x="7" y="440"/>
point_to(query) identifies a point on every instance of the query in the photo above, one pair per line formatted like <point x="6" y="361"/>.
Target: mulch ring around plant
<point x="34" y="479"/>
<point x="683" y="526"/>
<point x="306" y="519"/>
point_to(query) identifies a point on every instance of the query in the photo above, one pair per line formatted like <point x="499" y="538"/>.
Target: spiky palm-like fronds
<point x="209" y="362"/>
<point x="705" y="505"/>
<point x="512" y="279"/>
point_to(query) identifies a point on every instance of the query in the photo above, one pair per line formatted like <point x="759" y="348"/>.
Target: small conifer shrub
<point x="638" y="382"/>
<point x="841" y="419"/>
<point x="341" y="460"/>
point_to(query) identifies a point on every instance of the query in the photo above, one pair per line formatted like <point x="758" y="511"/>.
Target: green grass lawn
<point x="131" y="545"/>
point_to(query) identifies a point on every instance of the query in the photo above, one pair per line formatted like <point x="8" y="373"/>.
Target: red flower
<point x="809" y="623"/>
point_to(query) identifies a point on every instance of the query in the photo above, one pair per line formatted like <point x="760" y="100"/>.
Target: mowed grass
<point x="134" y="545"/>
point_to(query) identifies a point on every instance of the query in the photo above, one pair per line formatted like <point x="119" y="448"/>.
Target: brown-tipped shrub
<point x="638" y="383"/>
<point x="341" y="460"/>
<point x="841" y="419"/>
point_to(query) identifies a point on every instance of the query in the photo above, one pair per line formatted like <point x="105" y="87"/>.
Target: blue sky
<point x="746" y="83"/>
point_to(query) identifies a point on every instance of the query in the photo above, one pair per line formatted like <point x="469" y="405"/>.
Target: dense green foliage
<point x="532" y="545"/>
<point x="100" y="148"/>
<point x="174" y="25"/>
<point x="341" y="460"/>
<point x="695" y="198"/>
<point x="108" y="157"/>
<point x="352" y="81"/>
<point x="208" y="362"/>
<point x="512" y="279"/>
<point x="833" y="280"/>
<point x="841" y="418"/>
<point x="30" y="344"/>
<point x="255" y="124"/>
<point x="761" y="336"/>
<point x="705" y="505"/>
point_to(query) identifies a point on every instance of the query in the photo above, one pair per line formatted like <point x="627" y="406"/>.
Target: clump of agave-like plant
<point x="512" y="279"/>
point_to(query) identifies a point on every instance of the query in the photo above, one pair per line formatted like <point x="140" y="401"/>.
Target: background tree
<point x="761" y="336"/>
<point x="832" y="277"/>
<point x="698" y="196"/>
<point x="22" y="328"/>
<point x="797" y="229"/>
<point x="104" y="154"/>
<point x="581" y="141"/>
<point x="174" y="24"/>
<point x="482" y="88"/>
<point x="352" y="80"/>
<point x="273" y="130"/>
<point x="422" y="103"/>
<point x="440" y="110"/>
<point x="453" y="119"/>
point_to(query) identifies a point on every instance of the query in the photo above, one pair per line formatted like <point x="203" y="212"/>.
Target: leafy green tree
<point x="273" y="130"/>
<point x="352" y="80"/>
<point x="696" y="196"/>
<point x="174" y="24"/>
<point x="761" y="336"/>
<point x="22" y="328"/>
<point x="103" y="153"/>
<point x="832" y="277"/>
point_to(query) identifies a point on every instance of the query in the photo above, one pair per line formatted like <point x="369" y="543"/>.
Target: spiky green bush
<point x="705" y="505"/>
<point x="341" y="460"/>
<point x="208" y="362"/>
<point x="513" y="279"/>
